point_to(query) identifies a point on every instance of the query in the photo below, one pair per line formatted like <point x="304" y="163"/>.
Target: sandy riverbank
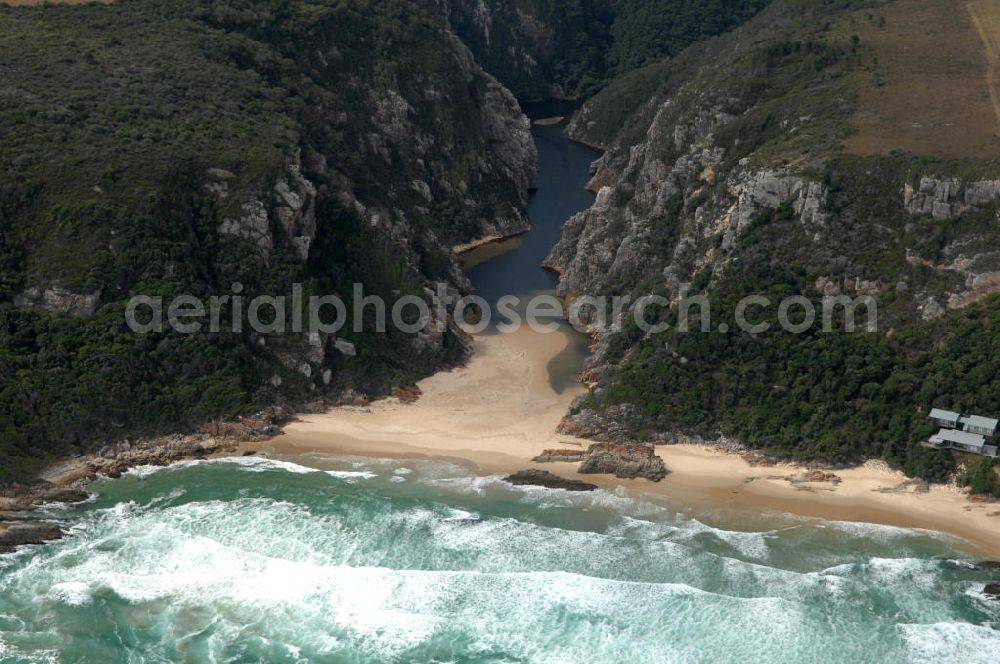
<point x="501" y="410"/>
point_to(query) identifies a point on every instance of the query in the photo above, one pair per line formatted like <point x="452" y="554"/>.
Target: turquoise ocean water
<point x="327" y="559"/>
<point x="330" y="559"/>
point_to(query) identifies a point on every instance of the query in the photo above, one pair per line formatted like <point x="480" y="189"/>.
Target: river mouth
<point x="513" y="266"/>
<point x="386" y="533"/>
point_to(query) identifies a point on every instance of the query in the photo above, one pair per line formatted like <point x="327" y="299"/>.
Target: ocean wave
<point x="142" y="472"/>
<point x="386" y="612"/>
<point x="883" y="533"/>
<point x="750" y="544"/>
<point x="961" y="643"/>
<point x="254" y="464"/>
<point x="617" y="500"/>
<point x="463" y="567"/>
<point x="73" y="593"/>
<point x="260" y="464"/>
<point x="351" y="474"/>
<point x="61" y="506"/>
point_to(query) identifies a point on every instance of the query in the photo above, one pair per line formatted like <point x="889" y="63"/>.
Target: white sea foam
<point x="363" y="577"/>
<point x="386" y="611"/>
<point x="351" y="474"/>
<point x="142" y="472"/>
<point x="263" y="464"/>
<point x="255" y="464"/>
<point x="882" y="533"/>
<point x="63" y="506"/>
<point x="944" y="643"/>
<point x="74" y="593"/>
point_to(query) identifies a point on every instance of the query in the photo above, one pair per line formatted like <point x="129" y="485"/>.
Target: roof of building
<point x="980" y="422"/>
<point x="946" y="415"/>
<point x="960" y="437"/>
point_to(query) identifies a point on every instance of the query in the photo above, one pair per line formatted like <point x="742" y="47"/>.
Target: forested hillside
<point x="770" y="162"/>
<point x="572" y="48"/>
<point x="184" y="146"/>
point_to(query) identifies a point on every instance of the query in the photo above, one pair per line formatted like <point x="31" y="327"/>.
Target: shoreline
<point x="498" y="412"/>
<point x="495" y="414"/>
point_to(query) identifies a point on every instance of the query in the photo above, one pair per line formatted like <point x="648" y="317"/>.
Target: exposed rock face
<point x="508" y="41"/>
<point x="446" y="187"/>
<point x="292" y="202"/>
<point x="556" y="456"/>
<point x="295" y="206"/>
<point x="422" y="188"/>
<point x="769" y="190"/>
<point x="251" y="223"/>
<point x="407" y="395"/>
<point x="611" y="425"/>
<point x="690" y="191"/>
<point x="980" y="271"/>
<point x="546" y="479"/>
<point x="62" y="482"/>
<point x="611" y="242"/>
<point x="987" y="565"/>
<point x="21" y="499"/>
<point x="114" y="460"/>
<point x="617" y="423"/>
<point x="15" y="535"/>
<point x="673" y="208"/>
<point x="508" y="134"/>
<point x="19" y="526"/>
<point x="948" y="198"/>
<point x="59" y="299"/>
<point x="992" y="590"/>
<point x="815" y="476"/>
<point x="624" y="461"/>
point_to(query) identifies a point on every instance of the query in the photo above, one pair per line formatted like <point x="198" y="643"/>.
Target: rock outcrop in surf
<point x="625" y="461"/>
<point x="548" y="480"/>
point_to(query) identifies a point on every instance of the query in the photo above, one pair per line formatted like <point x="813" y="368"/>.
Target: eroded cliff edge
<point x="726" y="176"/>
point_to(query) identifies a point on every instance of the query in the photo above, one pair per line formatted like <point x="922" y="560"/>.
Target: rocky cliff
<point x="260" y="146"/>
<point x="571" y="49"/>
<point x="725" y="178"/>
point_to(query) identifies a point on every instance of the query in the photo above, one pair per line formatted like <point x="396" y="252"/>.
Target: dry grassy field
<point x="932" y="89"/>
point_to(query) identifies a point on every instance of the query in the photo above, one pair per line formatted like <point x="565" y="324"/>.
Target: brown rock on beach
<point x="548" y="480"/>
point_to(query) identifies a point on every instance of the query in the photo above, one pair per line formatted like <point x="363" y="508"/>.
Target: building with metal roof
<point x="984" y="426"/>
<point x="959" y="437"/>
<point x="966" y="433"/>
<point x="945" y="418"/>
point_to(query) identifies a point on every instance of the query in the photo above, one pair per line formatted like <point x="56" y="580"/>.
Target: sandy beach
<point x="499" y="411"/>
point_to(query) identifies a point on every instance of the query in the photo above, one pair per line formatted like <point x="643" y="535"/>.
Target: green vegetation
<point x="831" y="396"/>
<point x="783" y="93"/>
<point x="981" y="477"/>
<point x="645" y="31"/>
<point x="592" y="41"/>
<point x="834" y="396"/>
<point x="111" y="117"/>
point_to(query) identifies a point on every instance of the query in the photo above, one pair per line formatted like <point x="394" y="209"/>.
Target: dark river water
<point x="367" y="560"/>
<point x="514" y="266"/>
